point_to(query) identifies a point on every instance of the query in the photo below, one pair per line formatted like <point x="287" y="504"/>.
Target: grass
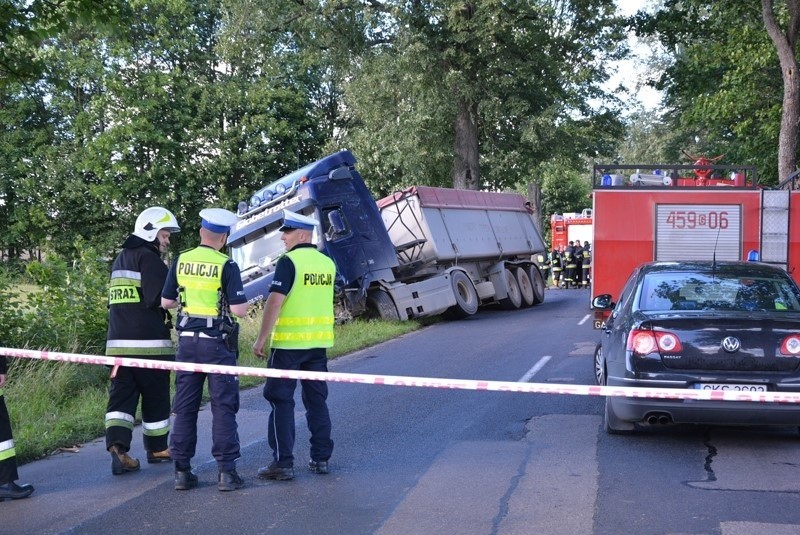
<point x="56" y="405"/>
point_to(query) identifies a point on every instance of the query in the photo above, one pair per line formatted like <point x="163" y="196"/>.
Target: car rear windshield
<point x="664" y="291"/>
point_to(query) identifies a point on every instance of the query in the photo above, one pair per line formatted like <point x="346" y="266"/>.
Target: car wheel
<point x="599" y="366"/>
<point x="612" y="424"/>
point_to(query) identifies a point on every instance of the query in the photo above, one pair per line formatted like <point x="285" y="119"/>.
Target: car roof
<point x="707" y="266"/>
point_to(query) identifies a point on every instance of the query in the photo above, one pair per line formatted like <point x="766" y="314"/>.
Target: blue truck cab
<point x="350" y="232"/>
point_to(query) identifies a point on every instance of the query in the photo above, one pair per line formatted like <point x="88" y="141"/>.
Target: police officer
<point x="138" y="327"/>
<point x="206" y="287"/>
<point x="9" y="489"/>
<point x="298" y="322"/>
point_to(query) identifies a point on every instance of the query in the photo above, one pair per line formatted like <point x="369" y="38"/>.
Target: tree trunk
<point x="786" y="46"/>
<point x="466" y="171"/>
<point x="535" y="196"/>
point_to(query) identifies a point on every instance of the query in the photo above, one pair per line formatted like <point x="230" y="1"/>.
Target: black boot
<point x="13" y="491"/>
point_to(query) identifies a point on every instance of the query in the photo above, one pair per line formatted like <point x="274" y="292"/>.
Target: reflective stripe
<point x="7" y="450"/>
<point x="199" y="334"/>
<point x="119" y="419"/>
<point x="140" y="347"/>
<point x="155" y="429"/>
<point x="127" y="274"/>
<point x="303" y="337"/>
<point x="139" y="343"/>
<point x="319" y="320"/>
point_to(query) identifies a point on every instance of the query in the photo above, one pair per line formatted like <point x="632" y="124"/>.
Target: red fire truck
<point x="686" y="212"/>
<point x="568" y="227"/>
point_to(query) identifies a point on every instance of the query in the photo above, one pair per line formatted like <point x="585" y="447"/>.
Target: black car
<point x="701" y="325"/>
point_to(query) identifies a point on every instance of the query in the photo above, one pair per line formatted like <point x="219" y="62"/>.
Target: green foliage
<point x="522" y="73"/>
<point x="723" y="90"/>
<point x="564" y="190"/>
<point x="69" y="313"/>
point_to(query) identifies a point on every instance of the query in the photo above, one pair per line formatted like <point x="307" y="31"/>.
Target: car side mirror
<point x="603" y="302"/>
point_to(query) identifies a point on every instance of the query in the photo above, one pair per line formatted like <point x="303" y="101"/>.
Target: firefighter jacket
<point x="306" y="317"/>
<point x="137" y="323"/>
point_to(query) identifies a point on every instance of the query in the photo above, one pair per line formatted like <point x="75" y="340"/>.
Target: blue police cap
<point x="217" y="220"/>
<point x="293" y="220"/>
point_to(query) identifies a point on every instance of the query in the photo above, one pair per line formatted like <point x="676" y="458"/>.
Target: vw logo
<point x="731" y="344"/>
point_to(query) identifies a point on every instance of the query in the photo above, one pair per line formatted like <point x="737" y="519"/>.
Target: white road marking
<point x="584" y="319"/>
<point x="538" y="366"/>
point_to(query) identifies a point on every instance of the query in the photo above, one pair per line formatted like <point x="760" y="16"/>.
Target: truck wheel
<point x="465" y="294"/>
<point x="525" y="287"/>
<point x="538" y="284"/>
<point x="380" y="302"/>
<point x="514" y="299"/>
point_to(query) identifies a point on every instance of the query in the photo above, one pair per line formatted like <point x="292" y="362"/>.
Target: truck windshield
<point x="260" y="252"/>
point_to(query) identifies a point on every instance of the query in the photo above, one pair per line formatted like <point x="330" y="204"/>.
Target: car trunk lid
<point x="728" y="343"/>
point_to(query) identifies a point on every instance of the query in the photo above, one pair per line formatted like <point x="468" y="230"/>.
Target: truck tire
<point x="514" y="299"/>
<point x="465" y="294"/>
<point x="380" y="302"/>
<point x="525" y="287"/>
<point x="537" y="282"/>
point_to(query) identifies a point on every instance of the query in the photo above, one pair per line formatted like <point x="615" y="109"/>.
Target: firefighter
<point x="206" y="287"/>
<point x="578" y="264"/>
<point x="297" y="326"/>
<point x="9" y="489"/>
<point x="138" y="327"/>
<point x="586" y="268"/>
<point x="570" y="265"/>
<point x="543" y="261"/>
<point x="557" y="265"/>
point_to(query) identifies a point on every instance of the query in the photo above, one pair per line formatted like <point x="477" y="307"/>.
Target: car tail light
<point x="790" y="347"/>
<point x="643" y="342"/>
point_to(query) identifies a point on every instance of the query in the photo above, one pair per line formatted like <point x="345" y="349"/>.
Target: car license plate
<point x="731" y="387"/>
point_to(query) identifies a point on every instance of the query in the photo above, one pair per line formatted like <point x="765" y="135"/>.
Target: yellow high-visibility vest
<point x="306" y="317"/>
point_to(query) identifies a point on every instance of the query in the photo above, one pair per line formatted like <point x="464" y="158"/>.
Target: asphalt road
<point x="422" y="460"/>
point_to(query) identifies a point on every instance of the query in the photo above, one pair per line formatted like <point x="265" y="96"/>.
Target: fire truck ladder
<point x="775" y="227"/>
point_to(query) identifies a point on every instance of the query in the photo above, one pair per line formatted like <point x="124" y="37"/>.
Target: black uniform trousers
<point x="123" y="396"/>
<point x="8" y="459"/>
<point x="224" y="392"/>
<point x="280" y="395"/>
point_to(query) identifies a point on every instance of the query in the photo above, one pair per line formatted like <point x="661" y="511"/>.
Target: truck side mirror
<point x="340" y="173"/>
<point x="337" y="226"/>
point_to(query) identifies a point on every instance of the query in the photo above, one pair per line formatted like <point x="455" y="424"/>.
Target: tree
<point x="786" y="45"/>
<point x="723" y="89"/>
<point x="476" y="94"/>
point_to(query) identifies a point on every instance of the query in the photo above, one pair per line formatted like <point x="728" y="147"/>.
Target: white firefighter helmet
<point x="153" y="219"/>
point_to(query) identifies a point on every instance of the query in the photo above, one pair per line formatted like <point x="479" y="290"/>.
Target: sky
<point x="628" y="71"/>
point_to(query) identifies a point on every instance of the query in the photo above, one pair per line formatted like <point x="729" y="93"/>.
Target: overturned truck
<point x="419" y="252"/>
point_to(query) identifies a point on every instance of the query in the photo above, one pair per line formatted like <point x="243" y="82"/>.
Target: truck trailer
<point x="420" y="252"/>
<point x="687" y="212"/>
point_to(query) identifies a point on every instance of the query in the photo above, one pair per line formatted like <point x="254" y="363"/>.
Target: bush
<point x="70" y="312"/>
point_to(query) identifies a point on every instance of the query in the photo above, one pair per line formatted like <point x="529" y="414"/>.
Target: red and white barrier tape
<point x="426" y="382"/>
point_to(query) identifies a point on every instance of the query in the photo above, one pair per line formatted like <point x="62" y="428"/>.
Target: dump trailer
<point x="419" y="252"/>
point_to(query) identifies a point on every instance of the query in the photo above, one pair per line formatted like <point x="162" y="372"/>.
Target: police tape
<point x="424" y="382"/>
